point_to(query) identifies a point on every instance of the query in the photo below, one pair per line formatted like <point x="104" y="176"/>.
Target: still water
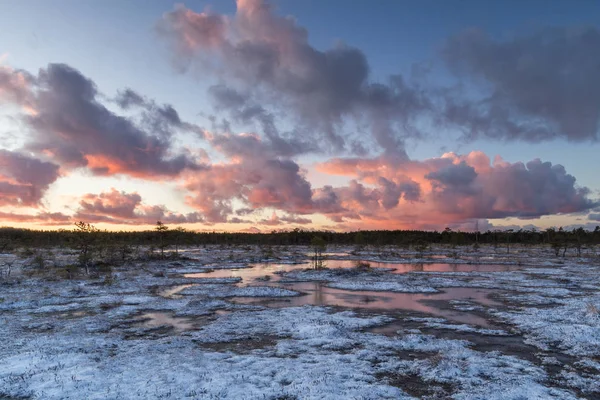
<point x="317" y="293"/>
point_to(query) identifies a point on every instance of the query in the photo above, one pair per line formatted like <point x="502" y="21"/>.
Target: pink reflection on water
<point x="318" y="294"/>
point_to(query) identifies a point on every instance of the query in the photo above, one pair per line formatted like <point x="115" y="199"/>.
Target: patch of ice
<point x="381" y="287"/>
<point x="441" y="323"/>
<point x="218" y="291"/>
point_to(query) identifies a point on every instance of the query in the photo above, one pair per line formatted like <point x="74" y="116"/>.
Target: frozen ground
<point x="228" y="324"/>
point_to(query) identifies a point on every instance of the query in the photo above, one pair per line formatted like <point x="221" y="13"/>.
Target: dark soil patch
<point x="242" y="346"/>
<point x="414" y="385"/>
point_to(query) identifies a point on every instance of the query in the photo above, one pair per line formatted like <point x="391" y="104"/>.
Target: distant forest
<point x="163" y="236"/>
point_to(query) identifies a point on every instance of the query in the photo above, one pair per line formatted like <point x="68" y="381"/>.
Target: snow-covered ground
<point x="224" y="324"/>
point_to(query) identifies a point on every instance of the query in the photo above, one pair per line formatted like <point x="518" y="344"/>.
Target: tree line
<point x="163" y="237"/>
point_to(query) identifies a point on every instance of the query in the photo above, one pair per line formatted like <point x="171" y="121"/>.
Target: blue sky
<point x="116" y="45"/>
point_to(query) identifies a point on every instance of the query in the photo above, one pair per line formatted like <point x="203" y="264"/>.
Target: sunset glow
<point x="249" y="118"/>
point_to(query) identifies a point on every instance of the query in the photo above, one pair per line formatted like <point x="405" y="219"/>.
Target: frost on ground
<point x="148" y="332"/>
<point x="234" y="291"/>
<point x="375" y="279"/>
<point x="441" y="323"/>
<point x="318" y="354"/>
<point x="573" y="326"/>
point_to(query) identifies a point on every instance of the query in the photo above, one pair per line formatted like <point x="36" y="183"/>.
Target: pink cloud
<point x="455" y="188"/>
<point x="24" y="179"/>
<point x="116" y="207"/>
<point x="44" y="218"/>
<point x="267" y="62"/>
<point x="276" y="220"/>
<point x="70" y="125"/>
<point x="386" y="192"/>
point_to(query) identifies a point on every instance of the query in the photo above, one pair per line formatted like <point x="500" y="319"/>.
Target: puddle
<point x="261" y="270"/>
<point x="257" y="271"/>
<point x="158" y="319"/>
<point x="318" y="294"/>
<point x="172" y="291"/>
<point x="445" y="267"/>
<point x="77" y="314"/>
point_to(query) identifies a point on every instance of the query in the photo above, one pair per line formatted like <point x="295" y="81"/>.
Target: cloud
<point x="24" y="179"/>
<point x="69" y="124"/>
<point x="242" y="110"/>
<point x="14" y="85"/>
<point x="594" y="217"/>
<point x="294" y="101"/>
<point x="269" y="59"/>
<point x="456" y="175"/>
<point x="266" y="67"/>
<point x="190" y="31"/>
<point x="117" y="207"/>
<point x="249" y="145"/>
<point x="44" y="218"/>
<point x="276" y="220"/>
<point x="253" y="178"/>
<point x="255" y="183"/>
<point x="453" y="189"/>
<point x="541" y="86"/>
<point x="385" y="191"/>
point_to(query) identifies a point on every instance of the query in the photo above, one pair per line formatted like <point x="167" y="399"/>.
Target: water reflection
<point x="318" y="294"/>
<point x="172" y="292"/>
<point x="158" y="319"/>
<point x="446" y="267"/>
<point x="266" y="272"/>
<point x="270" y="271"/>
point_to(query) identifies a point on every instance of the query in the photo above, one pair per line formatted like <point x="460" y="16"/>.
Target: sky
<point x="259" y="116"/>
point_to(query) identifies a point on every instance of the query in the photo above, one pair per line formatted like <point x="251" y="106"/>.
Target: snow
<point x="320" y="355"/>
<point x="441" y="323"/>
<point x="569" y="326"/>
<point x="87" y="339"/>
<point x="377" y="279"/>
<point x="233" y="291"/>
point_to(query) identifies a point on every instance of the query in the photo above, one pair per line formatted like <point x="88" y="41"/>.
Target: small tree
<point x="161" y="229"/>
<point x="86" y="235"/>
<point x="359" y="241"/>
<point x="4" y="245"/>
<point x="179" y="236"/>
<point x="556" y="246"/>
<point x="579" y="234"/>
<point x="319" y="246"/>
<point x="507" y="235"/>
<point x="421" y="247"/>
<point x="8" y="265"/>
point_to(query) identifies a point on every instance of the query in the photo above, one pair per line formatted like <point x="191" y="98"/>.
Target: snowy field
<point x="255" y="323"/>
